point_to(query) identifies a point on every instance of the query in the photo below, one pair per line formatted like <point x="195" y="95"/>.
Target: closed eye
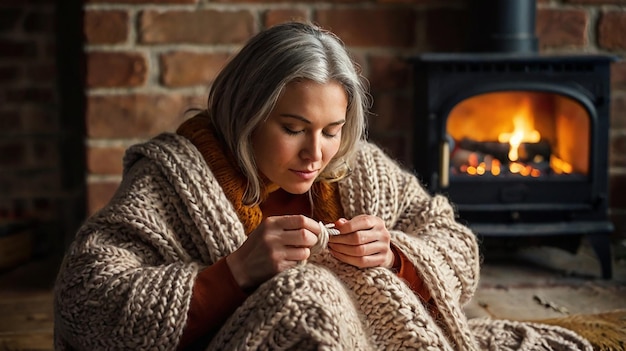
<point x="292" y="131"/>
<point x="334" y="130"/>
<point x="331" y="135"/>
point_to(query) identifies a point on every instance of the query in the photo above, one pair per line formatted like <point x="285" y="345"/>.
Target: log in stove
<point x="517" y="140"/>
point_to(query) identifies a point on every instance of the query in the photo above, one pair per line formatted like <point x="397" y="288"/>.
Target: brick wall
<point x="147" y="61"/>
<point x="36" y="187"/>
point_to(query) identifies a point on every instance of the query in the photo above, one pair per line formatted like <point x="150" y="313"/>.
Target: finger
<point x="340" y="221"/>
<point x="360" y="261"/>
<point x="361" y="222"/>
<point x="361" y="237"/>
<point x="298" y="238"/>
<point x="373" y="248"/>
<point x="297" y="253"/>
<point x="293" y="222"/>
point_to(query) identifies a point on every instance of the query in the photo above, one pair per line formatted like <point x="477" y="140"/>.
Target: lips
<point x="305" y="174"/>
<point x="305" y="170"/>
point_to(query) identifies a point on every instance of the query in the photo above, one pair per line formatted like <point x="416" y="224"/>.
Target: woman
<point x="218" y="235"/>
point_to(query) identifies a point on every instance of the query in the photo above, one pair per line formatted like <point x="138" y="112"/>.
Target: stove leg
<point x="601" y="245"/>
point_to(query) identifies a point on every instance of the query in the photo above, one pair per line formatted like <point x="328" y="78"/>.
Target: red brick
<point x="13" y="153"/>
<point x="10" y="120"/>
<point x="24" y="2"/>
<point x="285" y="1"/>
<point x="617" y="189"/>
<point x="18" y="48"/>
<point x="176" y="66"/>
<point x="106" y="27"/>
<point x="274" y="17"/>
<point x="41" y="73"/>
<point x="395" y="145"/>
<point x="10" y="18"/>
<point x="10" y="74"/>
<point x="39" y="119"/>
<point x="562" y="28"/>
<point x="6" y="188"/>
<point x="50" y="49"/>
<point x="611" y="30"/>
<point x="99" y="194"/>
<point x="618" y="217"/>
<point x="596" y="2"/>
<point x="360" y="62"/>
<point x="39" y="21"/>
<point x="45" y="153"/>
<point x="419" y="2"/>
<point x="618" y="75"/>
<point x="618" y="111"/>
<point x="392" y="113"/>
<point x="149" y="2"/>
<point x="198" y="27"/>
<point x="136" y="116"/>
<point x="389" y="73"/>
<point x="30" y="94"/>
<point x="105" y="160"/>
<point x="380" y="26"/>
<point x="116" y="69"/>
<point x="445" y="30"/>
<point x="39" y="181"/>
<point x="617" y="153"/>
<point x="43" y="203"/>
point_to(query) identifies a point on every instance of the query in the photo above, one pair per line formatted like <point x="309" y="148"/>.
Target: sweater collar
<point x="199" y="131"/>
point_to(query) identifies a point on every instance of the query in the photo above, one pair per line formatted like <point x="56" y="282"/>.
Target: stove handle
<point x="444" y="172"/>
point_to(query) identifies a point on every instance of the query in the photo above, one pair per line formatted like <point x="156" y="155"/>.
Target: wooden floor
<point x="26" y="318"/>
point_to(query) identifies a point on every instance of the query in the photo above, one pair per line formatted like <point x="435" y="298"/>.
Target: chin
<point x="297" y="190"/>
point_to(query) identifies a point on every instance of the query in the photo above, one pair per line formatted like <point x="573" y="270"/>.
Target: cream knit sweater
<point x="126" y="280"/>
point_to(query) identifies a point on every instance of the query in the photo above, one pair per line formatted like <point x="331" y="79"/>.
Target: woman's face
<point x="301" y="135"/>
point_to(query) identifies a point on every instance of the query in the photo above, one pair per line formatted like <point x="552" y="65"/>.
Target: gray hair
<point x="247" y="89"/>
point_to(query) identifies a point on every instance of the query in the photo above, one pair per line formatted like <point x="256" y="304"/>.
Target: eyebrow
<point x="302" y="119"/>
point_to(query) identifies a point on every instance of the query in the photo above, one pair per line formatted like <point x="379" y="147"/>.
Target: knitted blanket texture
<point x="127" y="278"/>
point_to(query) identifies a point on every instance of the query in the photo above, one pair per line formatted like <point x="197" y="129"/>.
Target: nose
<point x="312" y="148"/>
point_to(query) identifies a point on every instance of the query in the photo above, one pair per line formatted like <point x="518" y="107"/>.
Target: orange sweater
<point x="216" y="294"/>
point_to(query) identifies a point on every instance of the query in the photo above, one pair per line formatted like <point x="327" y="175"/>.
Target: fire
<point x="523" y="132"/>
<point x="516" y="134"/>
<point x="559" y="166"/>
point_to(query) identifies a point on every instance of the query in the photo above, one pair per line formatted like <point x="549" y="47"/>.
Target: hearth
<point x="517" y="140"/>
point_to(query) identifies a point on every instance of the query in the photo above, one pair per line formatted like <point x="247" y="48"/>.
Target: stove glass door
<point x="514" y="134"/>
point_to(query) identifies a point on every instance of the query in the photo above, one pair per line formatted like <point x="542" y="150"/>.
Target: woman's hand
<point x="364" y="242"/>
<point x="277" y="244"/>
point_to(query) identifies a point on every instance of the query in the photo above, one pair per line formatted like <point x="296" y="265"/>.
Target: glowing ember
<point x="559" y="166"/>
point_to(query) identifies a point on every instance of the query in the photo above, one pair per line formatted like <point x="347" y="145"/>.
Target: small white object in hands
<point x="330" y="227"/>
<point x="322" y="240"/>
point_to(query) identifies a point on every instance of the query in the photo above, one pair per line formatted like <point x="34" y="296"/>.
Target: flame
<point x="495" y="167"/>
<point x="523" y="132"/>
<point x="559" y="166"/>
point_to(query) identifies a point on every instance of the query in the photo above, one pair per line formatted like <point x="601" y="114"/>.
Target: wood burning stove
<point x="517" y="140"/>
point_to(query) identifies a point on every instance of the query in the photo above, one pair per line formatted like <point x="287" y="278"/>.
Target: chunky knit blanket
<point x="126" y="280"/>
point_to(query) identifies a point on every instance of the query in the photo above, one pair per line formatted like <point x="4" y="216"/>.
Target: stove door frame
<point x="441" y="81"/>
<point x="574" y="195"/>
